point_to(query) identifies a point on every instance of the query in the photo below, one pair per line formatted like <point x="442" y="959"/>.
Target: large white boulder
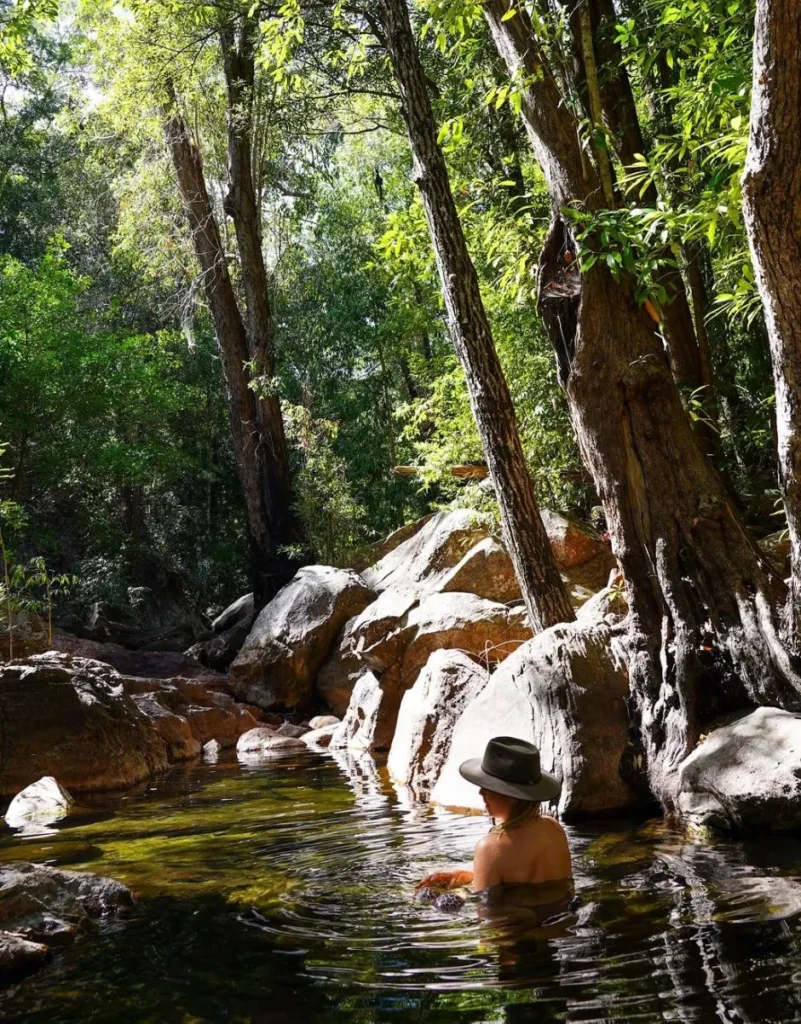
<point x="565" y="691"/>
<point x="279" y="661"/>
<point x="428" y="714"/>
<point x="746" y="774"/>
<point x="43" y="801"/>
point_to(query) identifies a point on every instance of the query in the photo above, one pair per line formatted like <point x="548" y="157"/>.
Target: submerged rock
<point x="265" y="743"/>
<point x="292" y="635"/>
<point x="746" y="774"/>
<point x="45" y="904"/>
<point x="43" y="801"/>
<point x="19" y="956"/>
<point x="211" y="751"/>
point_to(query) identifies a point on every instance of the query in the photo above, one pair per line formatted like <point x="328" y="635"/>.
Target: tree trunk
<point x="523" y="532"/>
<point x="258" y="451"/>
<point x="702" y="632"/>
<point x="772" y="200"/>
<point x="623" y="123"/>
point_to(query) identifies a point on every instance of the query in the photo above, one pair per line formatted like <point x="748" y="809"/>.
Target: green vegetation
<point x="111" y="391"/>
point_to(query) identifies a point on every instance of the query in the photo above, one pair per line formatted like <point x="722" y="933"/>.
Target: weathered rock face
<point x="291" y="637"/>
<point x="486" y="570"/>
<point x="369" y="722"/>
<point x="43" y="801"/>
<point x="746" y="774"/>
<point x="400" y="535"/>
<point x="70" y="718"/>
<point x="241" y="610"/>
<point x="223" y="724"/>
<point x="173" y="728"/>
<point x="377" y="637"/>
<point x="230" y="628"/>
<point x="46" y="905"/>
<point x="564" y="691"/>
<point x="428" y="714"/>
<point x="486" y="630"/>
<point x="572" y="545"/>
<point x="338" y="674"/>
<point x="427" y="554"/>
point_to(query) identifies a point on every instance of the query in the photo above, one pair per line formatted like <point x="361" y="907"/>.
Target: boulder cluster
<point x="423" y="656"/>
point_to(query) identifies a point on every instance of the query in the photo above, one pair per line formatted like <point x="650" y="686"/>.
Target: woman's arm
<point x="485" y="864"/>
<point x="446" y="879"/>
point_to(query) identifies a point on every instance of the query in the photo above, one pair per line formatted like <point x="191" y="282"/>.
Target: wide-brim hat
<point x="511" y="767"/>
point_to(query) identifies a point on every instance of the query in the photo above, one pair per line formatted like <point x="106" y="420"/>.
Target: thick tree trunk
<point x="703" y="633"/>
<point x="772" y="199"/>
<point x="524" y="534"/>
<point x="257" y="451"/>
<point x="623" y="124"/>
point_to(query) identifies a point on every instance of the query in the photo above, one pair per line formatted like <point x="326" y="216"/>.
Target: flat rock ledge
<point x="43" y="908"/>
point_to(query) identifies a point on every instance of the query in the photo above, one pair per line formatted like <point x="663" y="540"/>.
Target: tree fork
<point x="524" y="534"/>
<point x="252" y="449"/>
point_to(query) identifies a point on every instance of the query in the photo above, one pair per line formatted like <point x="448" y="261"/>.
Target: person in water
<point x="524" y="846"/>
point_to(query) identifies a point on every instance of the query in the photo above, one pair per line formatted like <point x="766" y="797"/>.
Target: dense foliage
<point x="111" y="394"/>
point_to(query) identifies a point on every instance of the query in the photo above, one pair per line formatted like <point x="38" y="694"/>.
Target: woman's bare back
<point x="531" y="853"/>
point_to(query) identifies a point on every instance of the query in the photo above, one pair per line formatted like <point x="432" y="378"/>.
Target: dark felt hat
<point x="512" y="767"/>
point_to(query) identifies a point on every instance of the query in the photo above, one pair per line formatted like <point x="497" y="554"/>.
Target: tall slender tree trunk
<point x="259" y="448"/>
<point x="524" y="534"/>
<point x="703" y="632"/>
<point x="772" y="199"/>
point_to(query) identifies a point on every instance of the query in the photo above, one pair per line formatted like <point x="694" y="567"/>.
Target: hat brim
<point x="547" y="788"/>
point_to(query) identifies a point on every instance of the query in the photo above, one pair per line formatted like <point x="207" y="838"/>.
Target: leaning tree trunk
<point x="523" y="532"/>
<point x="702" y="632"/>
<point x="260" y="454"/>
<point x="772" y="199"/>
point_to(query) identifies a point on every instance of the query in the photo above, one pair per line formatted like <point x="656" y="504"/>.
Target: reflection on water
<point x="284" y="892"/>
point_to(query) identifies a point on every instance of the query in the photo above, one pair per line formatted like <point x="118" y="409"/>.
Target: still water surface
<point x="284" y="893"/>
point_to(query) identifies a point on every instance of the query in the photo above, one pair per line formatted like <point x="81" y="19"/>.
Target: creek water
<point x="284" y="892"/>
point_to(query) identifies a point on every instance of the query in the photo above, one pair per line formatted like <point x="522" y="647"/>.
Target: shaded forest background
<point x="119" y="459"/>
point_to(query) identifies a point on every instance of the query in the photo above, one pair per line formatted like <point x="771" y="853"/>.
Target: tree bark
<point x="523" y="532"/>
<point x="623" y="124"/>
<point x="260" y="453"/>
<point x="702" y="632"/>
<point x="772" y="201"/>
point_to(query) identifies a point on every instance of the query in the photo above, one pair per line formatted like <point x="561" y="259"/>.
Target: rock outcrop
<point x="262" y="743"/>
<point x="174" y="729"/>
<point x="485" y="570"/>
<point x="746" y="774"/>
<point x="486" y="630"/>
<point x="230" y="629"/>
<point x="428" y="714"/>
<point x="565" y="691"/>
<point x="70" y="718"/>
<point x="424" y="558"/>
<point x="369" y="721"/>
<point x="292" y="635"/>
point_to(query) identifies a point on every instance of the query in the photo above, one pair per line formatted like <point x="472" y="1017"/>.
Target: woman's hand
<point x="446" y="880"/>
